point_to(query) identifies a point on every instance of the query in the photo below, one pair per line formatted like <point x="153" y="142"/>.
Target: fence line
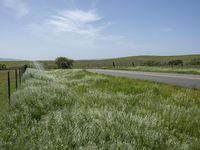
<point x="18" y="73"/>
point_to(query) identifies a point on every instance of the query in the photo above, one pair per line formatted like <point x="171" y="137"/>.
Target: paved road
<point x="184" y="80"/>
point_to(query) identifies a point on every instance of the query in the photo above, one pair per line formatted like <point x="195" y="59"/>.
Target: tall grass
<point x="78" y="110"/>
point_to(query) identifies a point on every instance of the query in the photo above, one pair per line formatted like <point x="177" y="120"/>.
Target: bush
<point x="175" y="62"/>
<point x="195" y="61"/>
<point x="2" y="66"/>
<point x="113" y="64"/>
<point x="64" y="63"/>
<point x="133" y="64"/>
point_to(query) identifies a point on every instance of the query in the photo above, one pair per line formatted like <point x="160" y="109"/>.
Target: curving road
<point x="184" y="80"/>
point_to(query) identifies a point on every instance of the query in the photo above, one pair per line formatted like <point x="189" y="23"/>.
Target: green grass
<point x="184" y="70"/>
<point x="74" y="109"/>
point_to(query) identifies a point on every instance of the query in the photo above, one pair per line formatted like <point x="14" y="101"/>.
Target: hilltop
<point x="127" y="61"/>
<point x="9" y="59"/>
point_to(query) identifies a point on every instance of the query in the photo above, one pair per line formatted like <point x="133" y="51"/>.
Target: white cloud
<point x="19" y="6"/>
<point x="76" y="21"/>
<point x="76" y="31"/>
<point x="86" y="23"/>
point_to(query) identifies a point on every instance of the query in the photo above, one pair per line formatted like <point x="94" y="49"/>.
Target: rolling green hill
<point x="121" y="62"/>
<point x="127" y="61"/>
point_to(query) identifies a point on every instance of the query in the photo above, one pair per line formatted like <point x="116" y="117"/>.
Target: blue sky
<point x="94" y="29"/>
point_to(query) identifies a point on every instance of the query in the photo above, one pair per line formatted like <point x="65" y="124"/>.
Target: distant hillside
<point x="127" y="61"/>
<point x="123" y="61"/>
<point x="14" y="63"/>
<point x="8" y="59"/>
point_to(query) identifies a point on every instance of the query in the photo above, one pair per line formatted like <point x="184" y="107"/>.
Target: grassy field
<point x="75" y="109"/>
<point x="184" y="70"/>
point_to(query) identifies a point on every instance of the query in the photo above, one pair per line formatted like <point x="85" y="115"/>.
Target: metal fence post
<point x="20" y="76"/>
<point x="9" y="88"/>
<point x="16" y="78"/>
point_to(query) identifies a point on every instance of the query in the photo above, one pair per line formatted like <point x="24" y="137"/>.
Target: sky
<point x="96" y="29"/>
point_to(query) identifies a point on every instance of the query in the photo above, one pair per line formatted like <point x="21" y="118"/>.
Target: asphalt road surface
<point x="184" y="80"/>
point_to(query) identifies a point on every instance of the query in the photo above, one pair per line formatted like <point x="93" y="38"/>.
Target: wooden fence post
<point x="9" y="87"/>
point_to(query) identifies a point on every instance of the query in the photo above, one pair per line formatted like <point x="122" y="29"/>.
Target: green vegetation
<point x="189" y="61"/>
<point x="152" y="63"/>
<point x="175" y="63"/>
<point x="74" y="109"/>
<point x="113" y="64"/>
<point x="136" y="60"/>
<point x="2" y="66"/>
<point x="195" y="61"/>
<point x="48" y="65"/>
<point x="64" y="63"/>
<point x="183" y="70"/>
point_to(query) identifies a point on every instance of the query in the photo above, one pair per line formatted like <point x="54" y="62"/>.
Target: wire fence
<point x="10" y="81"/>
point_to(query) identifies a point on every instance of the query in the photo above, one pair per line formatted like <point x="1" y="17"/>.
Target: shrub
<point x="133" y="64"/>
<point x="64" y="63"/>
<point x="113" y="64"/>
<point x="2" y="66"/>
<point x="175" y="62"/>
<point x="195" y="61"/>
